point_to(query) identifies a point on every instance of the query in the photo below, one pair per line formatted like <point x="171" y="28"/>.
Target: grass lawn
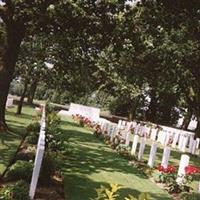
<point x="9" y="141"/>
<point x="91" y="164"/>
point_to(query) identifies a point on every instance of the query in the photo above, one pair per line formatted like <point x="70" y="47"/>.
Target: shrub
<point x="26" y="154"/>
<point x="190" y="196"/>
<point x="33" y="127"/>
<point x="49" y="108"/>
<point x="18" y="191"/>
<point x="32" y="138"/>
<point x="53" y="120"/>
<point x="111" y="193"/>
<point x="165" y="175"/>
<point x="51" y="163"/>
<point x="20" y="170"/>
<point x="123" y="150"/>
<point x="53" y="138"/>
<point x="97" y="131"/>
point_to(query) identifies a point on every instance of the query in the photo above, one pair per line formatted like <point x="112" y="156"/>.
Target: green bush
<point x="33" y="127"/>
<point x="112" y="192"/>
<point x="123" y="150"/>
<point x="18" y="191"/>
<point x="190" y="196"/>
<point x="20" y="170"/>
<point x="32" y="138"/>
<point x="53" y="120"/>
<point x="53" y="138"/>
<point x="48" y="168"/>
<point x="26" y="154"/>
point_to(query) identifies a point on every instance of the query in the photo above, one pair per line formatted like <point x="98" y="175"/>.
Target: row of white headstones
<point x="39" y="155"/>
<point x="9" y="102"/>
<point x="157" y="136"/>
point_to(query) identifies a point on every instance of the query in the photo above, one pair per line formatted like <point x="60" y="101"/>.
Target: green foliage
<point x="53" y="120"/>
<point x="165" y="177"/>
<point x="18" y="191"/>
<point x="26" y="154"/>
<point x="190" y="196"/>
<point x="124" y="150"/>
<point x="53" y="138"/>
<point x="112" y="193"/>
<point x="104" y="193"/>
<point x="32" y="138"/>
<point x="51" y="163"/>
<point x="33" y="130"/>
<point x="20" y="170"/>
<point x="33" y="127"/>
<point x="16" y="88"/>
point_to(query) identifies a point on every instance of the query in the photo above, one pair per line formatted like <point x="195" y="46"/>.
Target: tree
<point x="19" y="18"/>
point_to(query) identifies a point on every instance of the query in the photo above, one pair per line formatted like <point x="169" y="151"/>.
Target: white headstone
<point x="163" y="137"/>
<point x="153" y="134"/>
<point x="159" y="135"/>
<point x="165" y="158"/>
<point x="180" y="142"/>
<point x="128" y="135"/>
<point x="184" y="162"/>
<point x="184" y="144"/>
<point x="141" y="149"/>
<point x="167" y="139"/>
<point x="114" y="131"/>
<point x="198" y="143"/>
<point x="134" y="145"/>
<point x="175" y="139"/>
<point x="191" y="143"/>
<point x="36" y="171"/>
<point x="152" y="155"/>
<point x="194" y="145"/>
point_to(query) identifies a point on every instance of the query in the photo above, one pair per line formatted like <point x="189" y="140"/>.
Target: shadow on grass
<point x="90" y="160"/>
<point x="85" y="189"/>
<point x="89" y="156"/>
<point x="9" y="143"/>
<point x="79" y="187"/>
<point x="21" y="116"/>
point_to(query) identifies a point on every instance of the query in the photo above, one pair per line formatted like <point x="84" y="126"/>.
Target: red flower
<point x="190" y="169"/>
<point x="169" y="169"/>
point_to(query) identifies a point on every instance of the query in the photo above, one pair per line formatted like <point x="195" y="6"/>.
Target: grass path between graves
<point x="91" y="164"/>
<point x="9" y="141"/>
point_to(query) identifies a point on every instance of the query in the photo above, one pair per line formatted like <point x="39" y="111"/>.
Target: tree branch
<point x="9" y="3"/>
<point x="3" y="14"/>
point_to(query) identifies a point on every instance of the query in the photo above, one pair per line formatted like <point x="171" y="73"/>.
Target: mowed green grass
<point x="10" y="141"/>
<point x="91" y="164"/>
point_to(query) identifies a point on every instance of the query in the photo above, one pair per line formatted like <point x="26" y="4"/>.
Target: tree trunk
<point x="187" y="119"/>
<point x="21" y="101"/>
<point x="197" y="131"/>
<point x="133" y="108"/>
<point x="15" y="34"/>
<point x="4" y="88"/>
<point x="151" y="112"/>
<point x="32" y="91"/>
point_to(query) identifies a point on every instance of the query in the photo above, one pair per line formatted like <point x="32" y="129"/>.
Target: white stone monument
<point x="175" y="139"/>
<point x="152" y="155"/>
<point x="165" y="158"/>
<point x="184" y="162"/>
<point x="141" y="149"/>
<point x="134" y="145"/>
<point x="153" y="134"/>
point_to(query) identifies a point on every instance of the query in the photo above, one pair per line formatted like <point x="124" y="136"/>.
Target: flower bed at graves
<point x="164" y="175"/>
<point x="17" y="177"/>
